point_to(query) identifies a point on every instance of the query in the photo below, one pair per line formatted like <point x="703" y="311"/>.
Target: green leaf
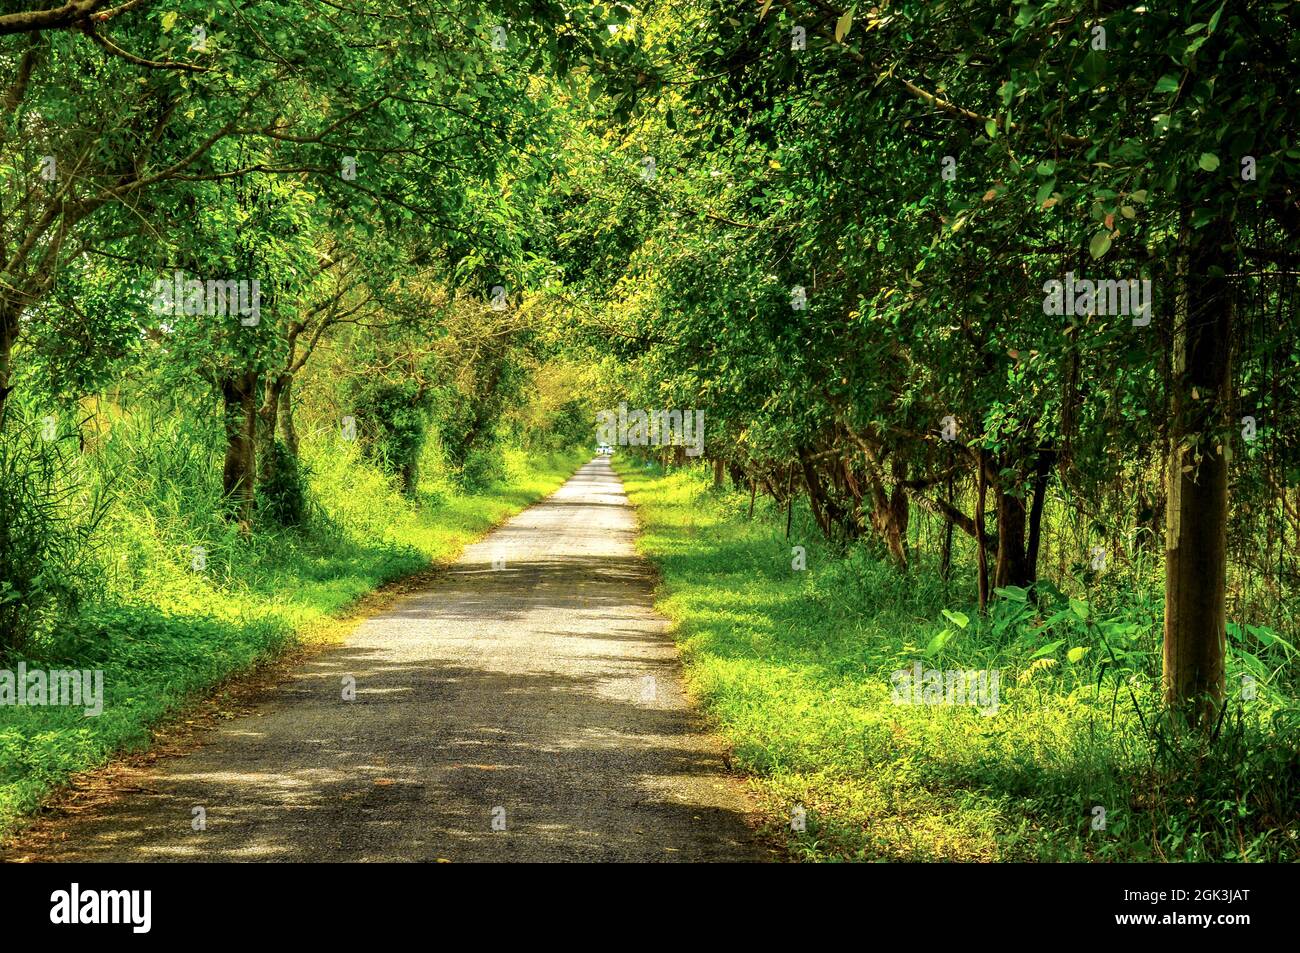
<point x="959" y="619"/>
<point x="939" y="641"/>
<point x="1100" y="244"/>
<point x="1094" y="68"/>
<point x="1079" y="608"/>
<point x="168" y="20"/>
<point x="843" y="25"/>
<point x="1048" y="649"/>
<point x="1167" y="84"/>
<point x="1203" y="216"/>
<point x="1209" y="161"/>
<point x="1076" y="653"/>
<point x="1214" y="20"/>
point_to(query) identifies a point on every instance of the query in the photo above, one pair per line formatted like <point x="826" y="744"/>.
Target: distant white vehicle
<point x="605" y="450"/>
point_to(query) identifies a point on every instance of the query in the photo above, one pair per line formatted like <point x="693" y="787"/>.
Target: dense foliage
<point x="863" y="252"/>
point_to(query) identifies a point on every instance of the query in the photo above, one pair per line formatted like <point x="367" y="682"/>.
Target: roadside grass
<point x="795" y="668"/>
<point x="165" y="634"/>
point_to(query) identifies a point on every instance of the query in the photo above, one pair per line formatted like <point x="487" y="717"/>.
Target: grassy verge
<point x="797" y="668"/>
<point x="163" y="634"/>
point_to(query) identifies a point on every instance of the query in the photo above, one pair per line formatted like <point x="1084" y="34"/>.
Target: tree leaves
<point x="843" y="25"/>
<point x="1167" y="84"/>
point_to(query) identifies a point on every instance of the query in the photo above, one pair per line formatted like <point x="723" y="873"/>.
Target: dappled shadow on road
<point x="562" y="582"/>
<point x="575" y="768"/>
<point x="529" y="709"/>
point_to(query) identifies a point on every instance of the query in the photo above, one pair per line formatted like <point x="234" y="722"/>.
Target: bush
<point x="282" y="497"/>
<point x="47" y="521"/>
<point x="481" y="468"/>
<point x="393" y="419"/>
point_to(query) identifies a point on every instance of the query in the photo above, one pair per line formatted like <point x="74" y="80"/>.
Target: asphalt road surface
<point x="526" y="707"/>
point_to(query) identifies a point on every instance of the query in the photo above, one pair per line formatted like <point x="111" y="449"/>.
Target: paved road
<point x="541" y="695"/>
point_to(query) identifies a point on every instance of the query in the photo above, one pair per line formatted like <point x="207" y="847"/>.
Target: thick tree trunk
<point x="899" y="517"/>
<point x="1197" y="477"/>
<point x="1012" y="567"/>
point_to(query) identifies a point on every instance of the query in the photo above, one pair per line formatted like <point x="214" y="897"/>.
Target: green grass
<point x="165" y="635"/>
<point x="795" y="667"/>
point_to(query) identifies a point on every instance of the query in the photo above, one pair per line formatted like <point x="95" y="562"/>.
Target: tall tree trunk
<point x="1043" y="464"/>
<point x="1012" y="564"/>
<point x="852" y="485"/>
<point x="288" y="431"/>
<point x="718" y="471"/>
<point x="981" y="550"/>
<point x="815" y="501"/>
<point x="249" y="485"/>
<point x="890" y="512"/>
<point x="1197" y="476"/>
<point x="268" y="417"/>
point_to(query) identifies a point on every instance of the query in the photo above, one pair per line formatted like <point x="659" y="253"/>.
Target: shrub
<point x="282" y="497"/>
<point x="47" y="523"/>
